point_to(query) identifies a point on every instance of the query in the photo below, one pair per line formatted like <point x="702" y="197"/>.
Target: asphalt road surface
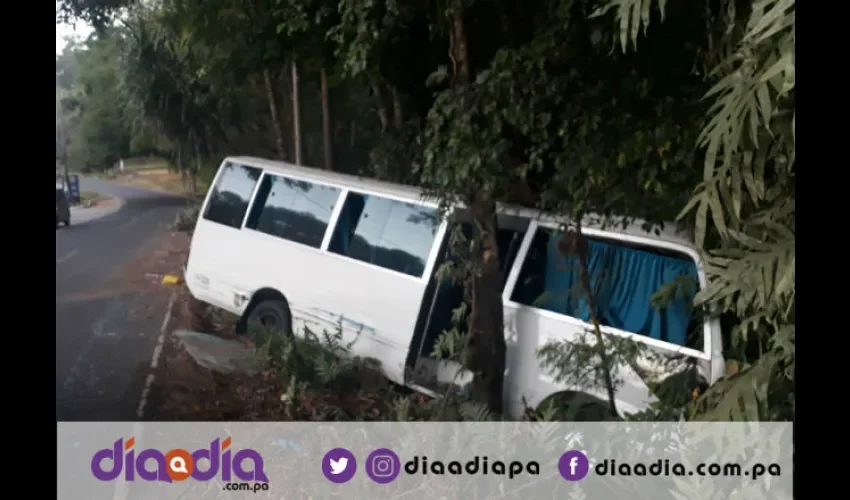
<point x="106" y="333"/>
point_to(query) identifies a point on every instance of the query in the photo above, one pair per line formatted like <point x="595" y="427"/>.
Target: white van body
<point x="241" y="252"/>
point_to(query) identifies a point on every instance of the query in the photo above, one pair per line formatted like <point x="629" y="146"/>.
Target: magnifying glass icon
<point x="177" y="464"/>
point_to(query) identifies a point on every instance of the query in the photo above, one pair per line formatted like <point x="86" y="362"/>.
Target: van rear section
<point x="319" y="251"/>
<point x="339" y="252"/>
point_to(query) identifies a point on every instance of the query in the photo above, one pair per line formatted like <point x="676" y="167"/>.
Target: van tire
<point x="272" y="314"/>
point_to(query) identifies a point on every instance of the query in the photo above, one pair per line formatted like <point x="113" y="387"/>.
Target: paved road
<point x="106" y="332"/>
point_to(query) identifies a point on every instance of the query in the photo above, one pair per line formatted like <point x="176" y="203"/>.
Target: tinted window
<point x="231" y="195"/>
<point x="298" y="211"/>
<point x="623" y="280"/>
<point x="388" y="233"/>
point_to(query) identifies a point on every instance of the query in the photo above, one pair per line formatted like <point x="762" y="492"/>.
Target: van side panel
<point x="340" y="257"/>
<point x="376" y="308"/>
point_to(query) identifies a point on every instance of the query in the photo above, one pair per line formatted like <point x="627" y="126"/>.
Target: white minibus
<point x="291" y="247"/>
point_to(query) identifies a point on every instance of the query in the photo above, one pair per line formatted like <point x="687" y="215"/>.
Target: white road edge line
<point x="120" y="490"/>
<point x="157" y="352"/>
<point x="65" y="257"/>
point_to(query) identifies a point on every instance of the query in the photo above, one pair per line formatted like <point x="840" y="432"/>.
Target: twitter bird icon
<point x="339" y="465"/>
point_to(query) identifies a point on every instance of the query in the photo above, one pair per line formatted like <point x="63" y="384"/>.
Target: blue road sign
<point x="74" y="188"/>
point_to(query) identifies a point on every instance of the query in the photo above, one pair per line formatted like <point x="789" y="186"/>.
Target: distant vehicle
<point x="63" y="209"/>
<point x="291" y="247"/>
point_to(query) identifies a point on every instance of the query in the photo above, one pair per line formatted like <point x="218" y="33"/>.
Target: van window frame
<point x="535" y="225"/>
<point x="433" y="254"/>
<point x="214" y="184"/>
<point x="334" y="220"/>
<point x="265" y="173"/>
<point x="211" y="190"/>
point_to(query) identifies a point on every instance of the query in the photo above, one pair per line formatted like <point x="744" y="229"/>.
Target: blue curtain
<point x="623" y="279"/>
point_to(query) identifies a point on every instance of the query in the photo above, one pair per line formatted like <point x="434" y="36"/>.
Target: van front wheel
<point x="269" y="316"/>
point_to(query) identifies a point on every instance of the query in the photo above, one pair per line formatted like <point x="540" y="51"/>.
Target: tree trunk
<point x="193" y="173"/>
<point x="486" y="320"/>
<point x="383" y="112"/>
<point x="327" y="138"/>
<point x="178" y="161"/>
<point x="398" y="113"/>
<point x="296" y="114"/>
<point x="284" y="80"/>
<point x="273" y="108"/>
<point x="459" y="50"/>
<point x="353" y="138"/>
<point x="577" y="245"/>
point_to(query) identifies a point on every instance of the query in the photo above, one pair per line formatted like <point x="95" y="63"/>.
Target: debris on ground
<point x="220" y="355"/>
<point x="170" y="279"/>
<point x="208" y="377"/>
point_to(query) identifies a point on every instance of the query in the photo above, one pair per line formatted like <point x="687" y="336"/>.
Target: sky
<point x="79" y="31"/>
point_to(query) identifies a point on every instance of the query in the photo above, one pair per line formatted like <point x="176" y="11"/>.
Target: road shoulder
<point x="108" y="206"/>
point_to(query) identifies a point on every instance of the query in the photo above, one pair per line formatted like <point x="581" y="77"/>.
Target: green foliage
<point x="166" y="81"/>
<point x="187" y="218"/>
<point x="553" y="117"/>
<point x="747" y="199"/>
<point x="98" y="13"/>
<point x="95" y="121"/>
<point x="324" y="382"/>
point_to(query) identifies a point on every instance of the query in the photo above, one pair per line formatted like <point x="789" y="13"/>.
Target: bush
<point x="314" y="377"/>
<point x="321" y="381"/>
<point x="187" y="218"/>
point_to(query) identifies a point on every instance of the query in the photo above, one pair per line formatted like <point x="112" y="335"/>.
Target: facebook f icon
<point x="573" y="465"/>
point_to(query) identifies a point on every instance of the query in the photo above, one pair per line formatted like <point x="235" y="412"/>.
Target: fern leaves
<point x="747" y="197"/>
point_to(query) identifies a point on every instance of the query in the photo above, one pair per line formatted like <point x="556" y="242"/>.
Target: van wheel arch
<point x="590" y="408"/>
<point x="260" y="296"/>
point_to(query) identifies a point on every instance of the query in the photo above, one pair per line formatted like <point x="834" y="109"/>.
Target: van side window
<point x="231" y="194"/>
<point x="387" y="233"/>
<point x="623" y="279"/>
<point x="297" y="211"/>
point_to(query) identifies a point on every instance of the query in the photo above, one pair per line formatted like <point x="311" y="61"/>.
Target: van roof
<point x="670" y="233"/>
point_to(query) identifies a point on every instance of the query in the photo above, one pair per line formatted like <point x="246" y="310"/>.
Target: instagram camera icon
<point x="383" y="466"/>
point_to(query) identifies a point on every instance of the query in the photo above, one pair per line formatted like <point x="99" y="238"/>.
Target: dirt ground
<point x="167" y="256"/>
<point x="182" y="390"/>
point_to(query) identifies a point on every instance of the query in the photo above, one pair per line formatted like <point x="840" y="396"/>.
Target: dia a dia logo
<point x="177" y="464"/>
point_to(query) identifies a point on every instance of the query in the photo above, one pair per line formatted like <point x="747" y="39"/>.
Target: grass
<point x="155" y="174"/>
<point x="145" y="163"/>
